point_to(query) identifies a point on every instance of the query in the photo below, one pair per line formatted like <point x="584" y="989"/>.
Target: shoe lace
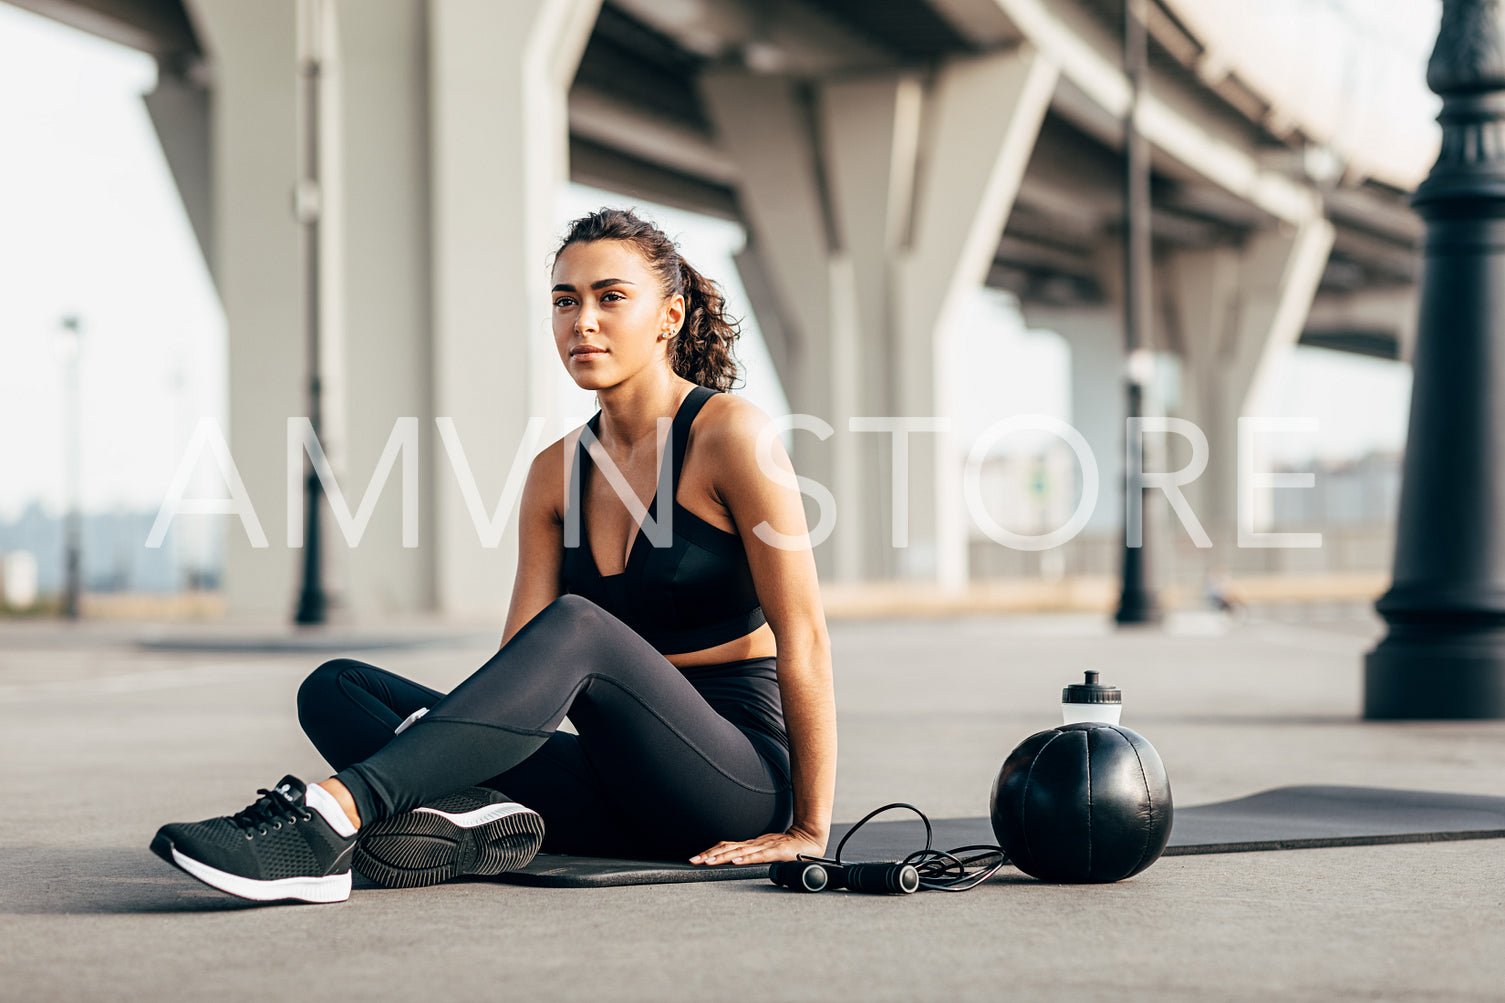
<point x="272" y="808"/>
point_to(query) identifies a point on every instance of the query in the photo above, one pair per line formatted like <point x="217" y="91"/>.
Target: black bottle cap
<point x="1091" y="691"/>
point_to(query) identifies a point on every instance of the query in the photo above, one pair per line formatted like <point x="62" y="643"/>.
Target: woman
<point x="679" y="648"/>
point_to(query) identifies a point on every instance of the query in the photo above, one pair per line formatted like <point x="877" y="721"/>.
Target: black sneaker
<point x="474" y="831"/>
<point x="278" y="848"/>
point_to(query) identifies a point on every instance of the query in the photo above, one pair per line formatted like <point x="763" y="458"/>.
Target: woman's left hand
<point x="763" y="850"/>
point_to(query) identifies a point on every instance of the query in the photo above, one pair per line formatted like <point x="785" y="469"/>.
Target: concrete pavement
<point x="102" y="741"/>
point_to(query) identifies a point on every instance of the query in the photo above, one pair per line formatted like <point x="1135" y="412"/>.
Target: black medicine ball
<point x="1083" y="803"/>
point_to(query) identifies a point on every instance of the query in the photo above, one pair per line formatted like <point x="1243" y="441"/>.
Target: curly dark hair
<point x="702" y="350"/>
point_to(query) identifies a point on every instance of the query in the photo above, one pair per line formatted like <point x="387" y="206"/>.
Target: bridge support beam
<point x="499" y="85"/>
<point x="179" y="110"/>
<point x="445" y="144"/>
<point x="1095" y="336"/>
<point x="380" y="287"/>
<point x="874" y="204"/>
<point x="257" y="266"/>
<point x="1383" y="314"/>
<point x="1232" y="313"/>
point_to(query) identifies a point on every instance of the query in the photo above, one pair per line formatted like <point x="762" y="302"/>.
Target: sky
<point x="91" y="225"/>
<point x="1349" y="70"/>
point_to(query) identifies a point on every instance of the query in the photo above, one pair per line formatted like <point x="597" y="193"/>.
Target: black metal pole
<point x="1444" y="653"/>
<point x="312" y="601"/>
<point x="1136" y="603"/>
<point x="73" y="525"/>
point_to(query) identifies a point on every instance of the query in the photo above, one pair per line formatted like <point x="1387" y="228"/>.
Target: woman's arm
<point x="764" y="500"/>
<point x="805" y="689"/>
<point x="540" y="538"/>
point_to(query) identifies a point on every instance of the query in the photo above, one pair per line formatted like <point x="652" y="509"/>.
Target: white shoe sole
<point x="331" y="888"/>
<point x="471" y="819"/>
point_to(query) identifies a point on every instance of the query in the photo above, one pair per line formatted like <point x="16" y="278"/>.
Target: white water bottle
<point x="1091" y="701"/>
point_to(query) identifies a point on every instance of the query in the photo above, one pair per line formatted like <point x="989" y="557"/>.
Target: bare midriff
<point x="758" y="644"/>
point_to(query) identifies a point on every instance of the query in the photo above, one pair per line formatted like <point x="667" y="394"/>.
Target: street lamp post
<point x="312" y="601"/>
<point x="1136" y="603"/>
<point x="1443" y="655"/>
<point x="73" y="524"/>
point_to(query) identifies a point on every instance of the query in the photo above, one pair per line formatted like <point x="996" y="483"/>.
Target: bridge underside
<point x="662" y="145"/>
<point x="883" y="158"/>
<point x="1068" y="206"/>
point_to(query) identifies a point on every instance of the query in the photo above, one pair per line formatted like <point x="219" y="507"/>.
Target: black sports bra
<point x="695" y="591"/>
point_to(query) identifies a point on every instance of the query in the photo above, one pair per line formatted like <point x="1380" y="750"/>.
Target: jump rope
<point x="923" y="870"/>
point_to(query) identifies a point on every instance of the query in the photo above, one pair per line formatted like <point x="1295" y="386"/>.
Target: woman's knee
<point x="571" y="604"/>
<point x="572" y="608"/>
<point x="322" y="686"/>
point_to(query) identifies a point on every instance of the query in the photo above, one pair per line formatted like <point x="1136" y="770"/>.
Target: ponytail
<point x="702" y="351"/>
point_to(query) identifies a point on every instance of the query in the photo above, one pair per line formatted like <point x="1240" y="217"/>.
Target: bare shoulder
<point x="551" y="459"/>
<point x="733" y="424"/>
<point x="755" y="480"/>
<point x="745" y="445"/>
<point x="546" y="486"/>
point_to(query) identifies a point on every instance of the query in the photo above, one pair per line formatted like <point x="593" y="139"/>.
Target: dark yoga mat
<point x="1286" y="818"/>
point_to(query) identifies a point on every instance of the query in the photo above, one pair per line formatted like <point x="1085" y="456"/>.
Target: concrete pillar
<point x="377" y="182"/>
<point x="179" y="110"/>
<point x="871" y="134"/>
<point x="764" y="124"/>
<point x="375" y="268"/>
<point x="1383" y="311"/>
<point x="1096" y="339"/>
<point x="445" y="146"/>
<point x="971" y="172"/>
<point x="500" y="72"/>
<point x="873" y="204"/>
<point x="1234" y="312"/>
<point x="257" y="265"/>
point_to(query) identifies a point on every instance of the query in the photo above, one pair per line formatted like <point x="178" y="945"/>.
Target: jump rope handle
<point x="872" y="879"/>
<point x="882" y="878"/>
<point x="799" y="875"/>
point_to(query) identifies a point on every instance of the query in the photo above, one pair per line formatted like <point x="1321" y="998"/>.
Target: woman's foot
<point x="473" y="831"/>
<point x="293" y="843"/>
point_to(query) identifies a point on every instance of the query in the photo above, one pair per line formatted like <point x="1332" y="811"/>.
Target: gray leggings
<point x="659" y="769"/>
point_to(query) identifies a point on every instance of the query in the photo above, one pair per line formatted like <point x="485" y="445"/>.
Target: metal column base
<point x="1137" y="607"/>
<point x="1436" y="673"/>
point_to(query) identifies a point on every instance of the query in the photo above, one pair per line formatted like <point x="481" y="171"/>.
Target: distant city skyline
<point x="90" y="224"/>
